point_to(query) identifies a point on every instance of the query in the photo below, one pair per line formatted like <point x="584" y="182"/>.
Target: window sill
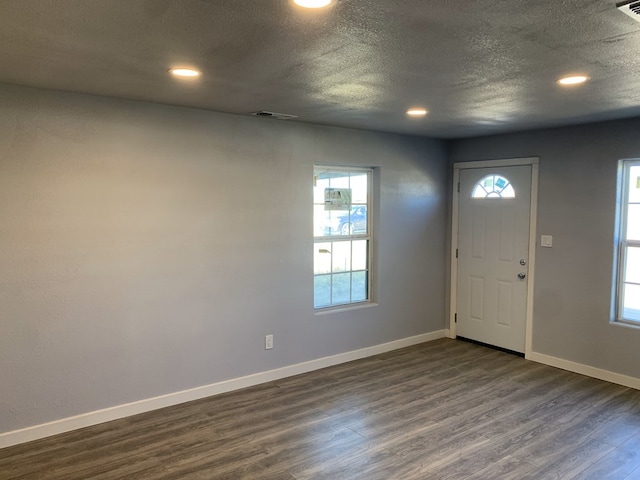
<point x="626" y="324"/>
<point x="344" y="308"/>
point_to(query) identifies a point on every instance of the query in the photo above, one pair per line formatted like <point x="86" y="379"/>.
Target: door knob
<point x="522" y="275"/>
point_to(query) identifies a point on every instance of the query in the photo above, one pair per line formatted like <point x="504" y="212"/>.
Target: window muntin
<point x="493" y="186"/>
<point x="342" y="236"/>
<point x="628" y="280"/>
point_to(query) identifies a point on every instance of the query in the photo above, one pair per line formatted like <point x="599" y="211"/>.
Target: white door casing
<point x="494" y="239"/>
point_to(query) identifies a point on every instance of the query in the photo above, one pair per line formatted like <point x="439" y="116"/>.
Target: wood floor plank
<point x="442" y="410"/>
<point x="507" y="468"/>
<point x="618" y="464"/>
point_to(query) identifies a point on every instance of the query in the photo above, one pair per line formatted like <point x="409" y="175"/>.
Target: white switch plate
<point x="268" y="342"/>
<point x="546" y="241"/>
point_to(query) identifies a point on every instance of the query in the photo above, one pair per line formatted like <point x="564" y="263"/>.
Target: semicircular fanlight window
<point x="493" y="186"/>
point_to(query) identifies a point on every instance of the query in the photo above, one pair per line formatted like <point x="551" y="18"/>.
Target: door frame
<point x="534" y="162"/>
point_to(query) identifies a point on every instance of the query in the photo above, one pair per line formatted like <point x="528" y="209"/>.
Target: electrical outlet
<point x="268" y="342"/>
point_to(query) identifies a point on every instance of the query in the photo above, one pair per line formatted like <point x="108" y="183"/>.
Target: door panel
<point x="505" y="303"/>
<point x="493" y="239"/>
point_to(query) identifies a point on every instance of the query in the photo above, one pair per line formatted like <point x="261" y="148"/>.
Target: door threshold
<point x="494" y="347"/>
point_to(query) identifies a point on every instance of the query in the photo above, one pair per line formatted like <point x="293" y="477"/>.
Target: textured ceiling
<point x="479" y="66"/>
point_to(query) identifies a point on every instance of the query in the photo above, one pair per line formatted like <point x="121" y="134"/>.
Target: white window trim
<point x="369" y="237"/>
<point x="621" y="244"/>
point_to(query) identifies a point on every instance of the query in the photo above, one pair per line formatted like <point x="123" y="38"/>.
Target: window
<point x="493" y="186"/>
<point x="342" y="236"/>
<point x="628" y="251"/>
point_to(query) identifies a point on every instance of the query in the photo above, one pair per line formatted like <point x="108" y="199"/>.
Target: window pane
<point x="508" y="192"/>
<point x="358" y="220"/>
<point x="358" y="286"/>
<point x="322" y="291"/>
<point x="632" y="272"/>
<point x="359" y="188"/>
<point x="633" y="222"/>
<point x="341" y="291"/>
<point x="343" y="225"/>
<point x="341" y="253"/>
<point x="359" y="255"/>
<point x="329" y="223"/>
<point x="634" y="184"/>
<point x="319" y="221"/>
<point x="318" y="190"/>
<point x="349" y="222"/>
<point x="339" y="180"/>
<point x="631" y="304"/>
<point x="322" y="258"/>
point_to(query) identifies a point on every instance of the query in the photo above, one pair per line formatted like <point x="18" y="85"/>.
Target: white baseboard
<point x="120" y="411"/>
<point x="625" y="380"/>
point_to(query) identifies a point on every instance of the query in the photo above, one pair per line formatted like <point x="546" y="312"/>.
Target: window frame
<point x="622" y="243"/>
<point x="367" y="236"/>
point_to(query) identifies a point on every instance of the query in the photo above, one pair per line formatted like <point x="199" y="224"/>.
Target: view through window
<point x="493" y="186"/>
<point x="342" y="236"/>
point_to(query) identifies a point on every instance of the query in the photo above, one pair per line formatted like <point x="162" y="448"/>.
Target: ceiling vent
<point x="279" y="116"/>
<point x="631" y="8"/>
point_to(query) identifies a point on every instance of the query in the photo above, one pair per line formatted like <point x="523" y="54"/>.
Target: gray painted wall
<point x="572" y="299"/>
<point x="147" y="249"/>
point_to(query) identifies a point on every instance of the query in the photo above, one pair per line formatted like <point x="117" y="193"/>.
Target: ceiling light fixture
<point x="573" y="80"/>
<point x="313" y="3"/>
<point x="417" y="112"/>
<point x="184" y="72"/>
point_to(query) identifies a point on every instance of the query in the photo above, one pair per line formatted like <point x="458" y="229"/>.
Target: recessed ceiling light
<point x="417" y="112"/>
<point x="184" y="72"/>
<point x="573" y="80"/>
<point x="313" y="3"/>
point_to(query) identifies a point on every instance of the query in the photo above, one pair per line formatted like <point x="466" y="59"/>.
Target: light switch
<point x="546" y="241"/>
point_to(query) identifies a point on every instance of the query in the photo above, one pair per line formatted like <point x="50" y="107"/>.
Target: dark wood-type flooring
<point x="440" y="410"/>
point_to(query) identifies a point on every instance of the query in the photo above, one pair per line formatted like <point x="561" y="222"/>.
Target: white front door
<point x="494" y="209"/>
